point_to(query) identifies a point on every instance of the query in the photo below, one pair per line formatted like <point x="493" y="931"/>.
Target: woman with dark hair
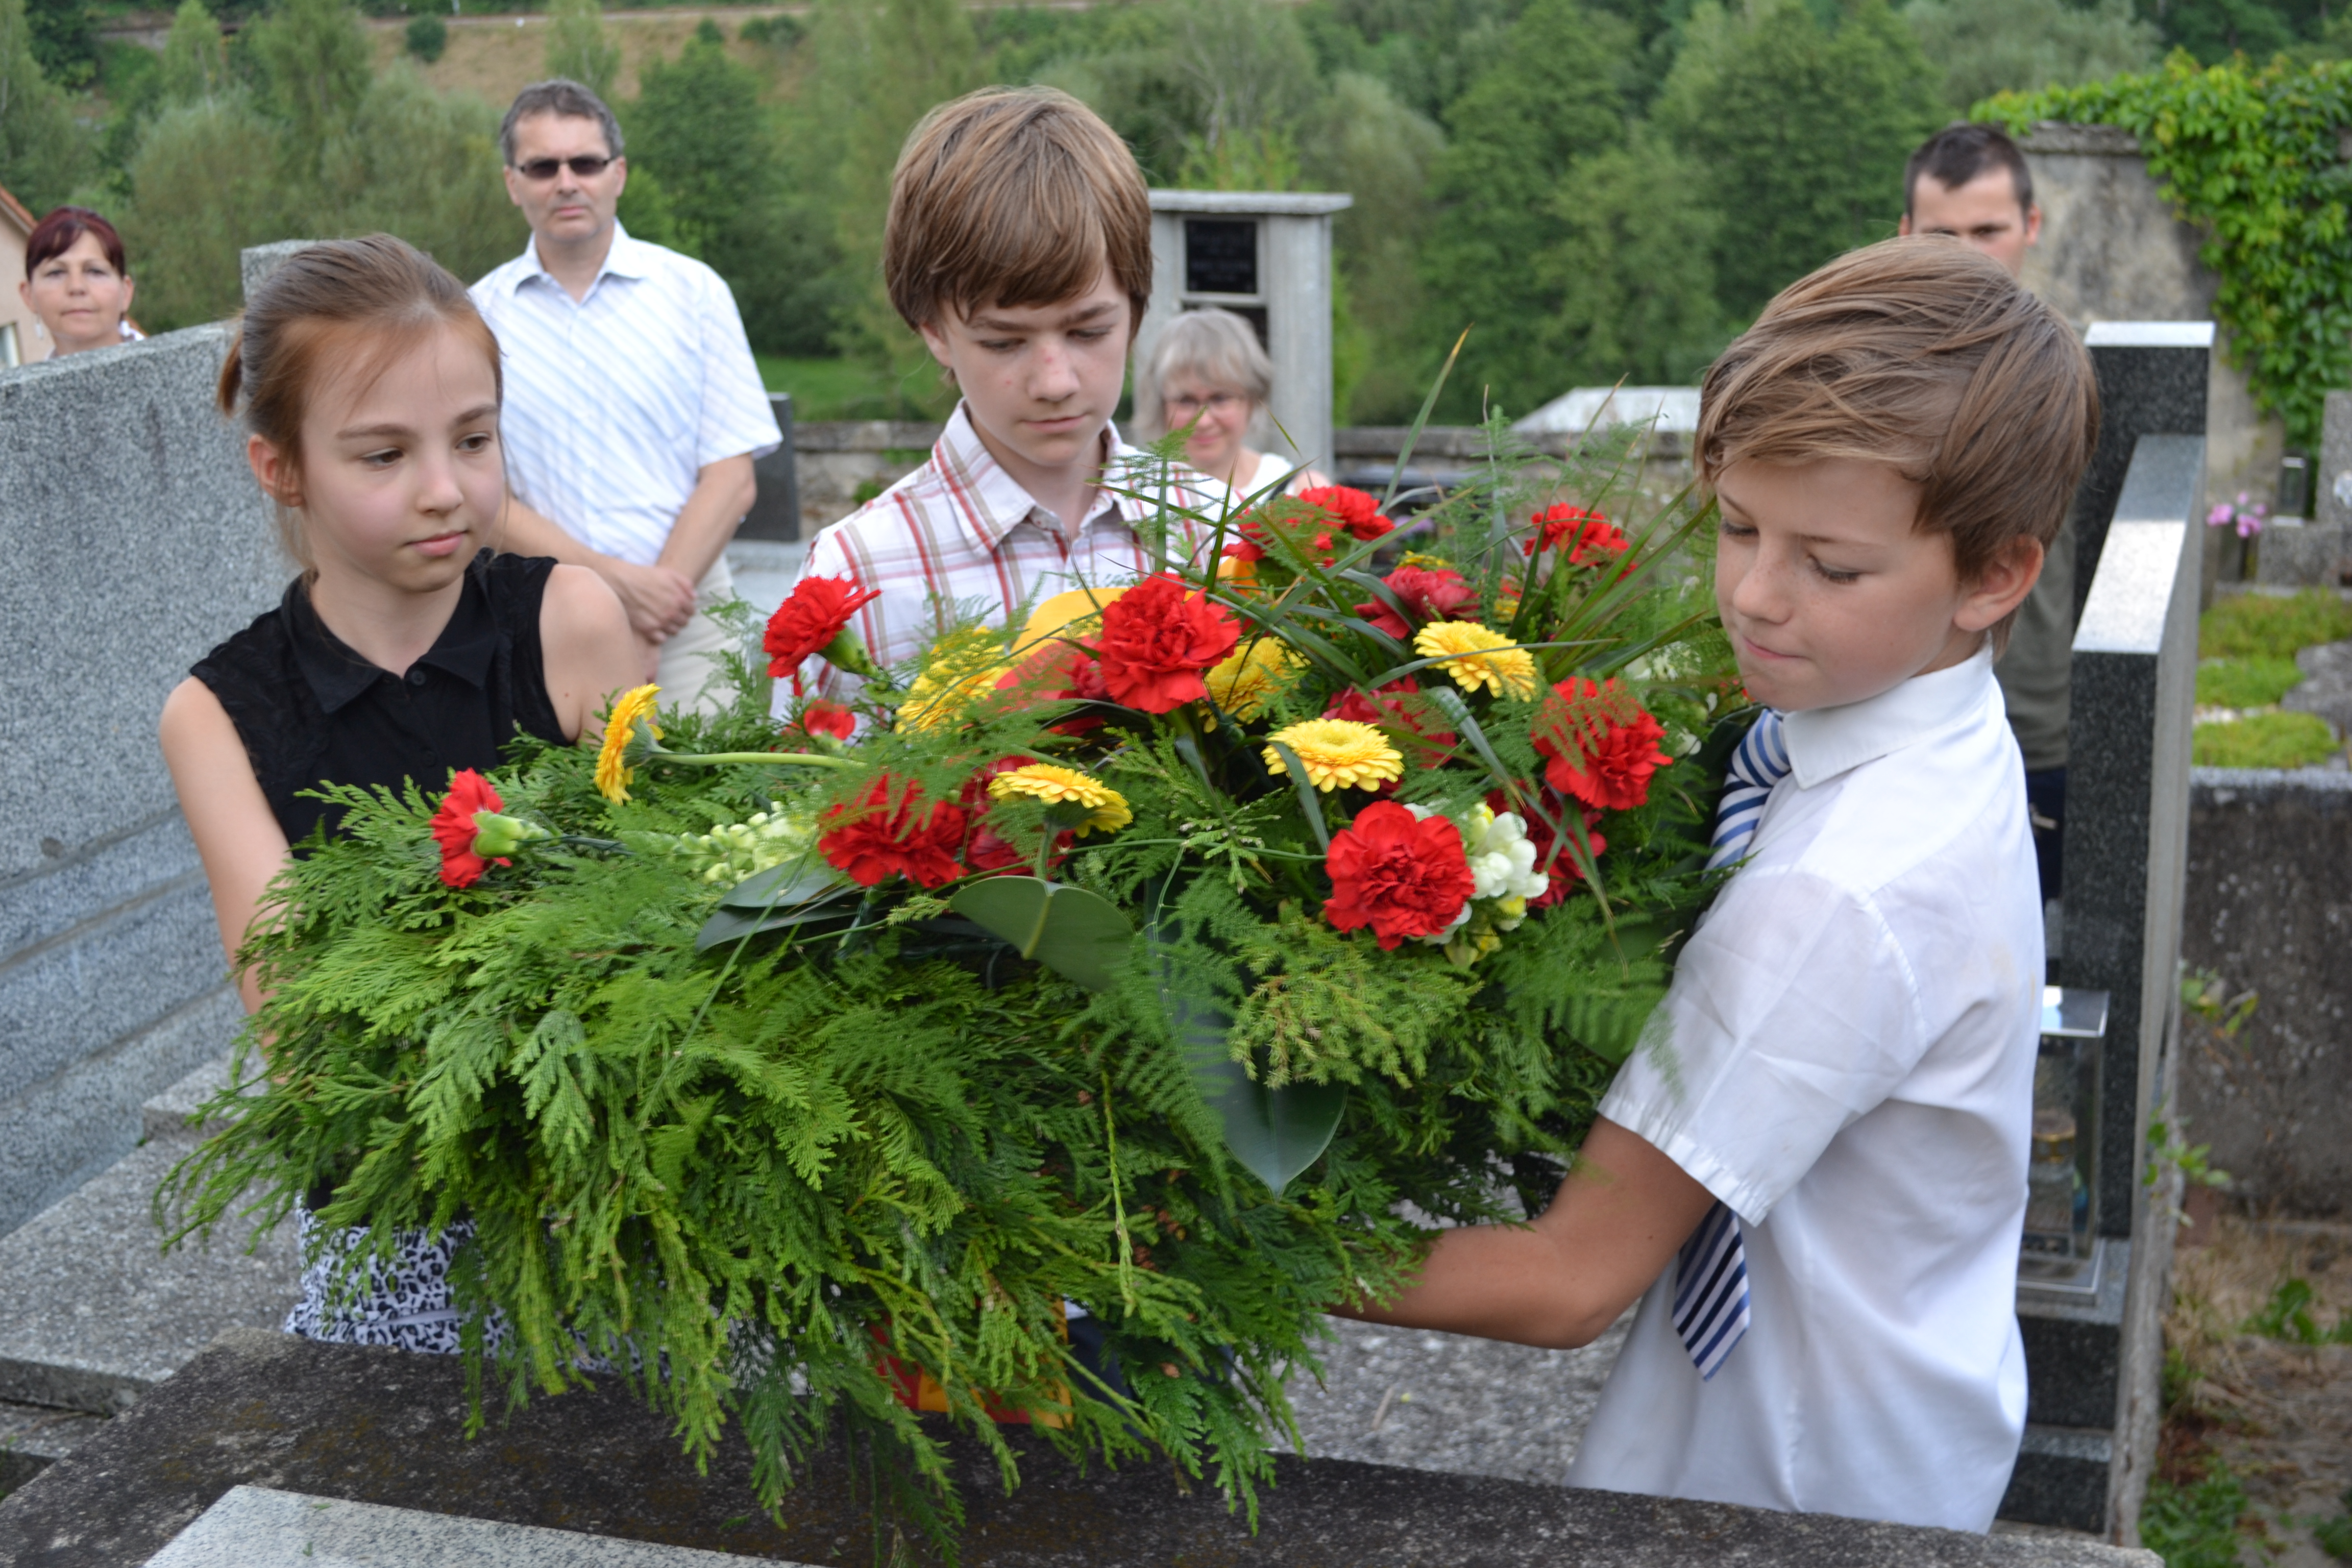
<point x="76" y="281"/>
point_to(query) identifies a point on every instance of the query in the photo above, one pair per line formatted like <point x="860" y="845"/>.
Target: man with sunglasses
<point x="633" y="408"/>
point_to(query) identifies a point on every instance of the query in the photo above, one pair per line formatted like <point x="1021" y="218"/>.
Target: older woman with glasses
<point x="75" y="283"/>
<point x="1208" y="372"/>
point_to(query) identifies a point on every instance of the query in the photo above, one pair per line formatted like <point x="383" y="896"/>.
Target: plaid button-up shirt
<point x="959" y="537"/>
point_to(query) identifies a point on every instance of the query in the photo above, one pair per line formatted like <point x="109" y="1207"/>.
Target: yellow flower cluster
<point x="1476" y="657"/>
<point x="1338" y="753"/>
<point x="962" y="669"/>
<point x="1107" y="809"/>
<point x="630" y="708"/>
<point x="1250" y="675"/>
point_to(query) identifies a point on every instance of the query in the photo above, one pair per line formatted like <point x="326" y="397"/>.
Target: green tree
<point x="195" y="63"/>
<point x="42" y="151"/>
<point x="426" y="38"/>
<point x="65" y="40"/>
<point x="1363" y="141"/>
<point x="314" y="67"/>
<point x="204" y="185"/>
<point x="1984" y="47"/>
<point x="1633" y="268"/>
<point x="424" y="167"/>
<point x="1799" y="133"/>
<point x="706" y="152"/>
<point x="880" y="66"/>
<point x="579" y="46"/>
<point x="1551" y="98"/>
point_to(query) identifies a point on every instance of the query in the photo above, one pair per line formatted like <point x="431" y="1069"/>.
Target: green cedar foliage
<point x="1799" y="133"/>
<point x="1553" y="96"/>
<point x="2251" y="156"/>
<point x="195" y="61"/>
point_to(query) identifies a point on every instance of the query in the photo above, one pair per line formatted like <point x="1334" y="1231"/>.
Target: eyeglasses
<point x="1185" y="403"/>
<point x="587" y="165"/>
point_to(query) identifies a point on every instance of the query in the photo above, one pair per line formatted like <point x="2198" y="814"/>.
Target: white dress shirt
<point x="960" y="534"/>
<point x="1846" y="1058"/>
<point x="616" y="402"/>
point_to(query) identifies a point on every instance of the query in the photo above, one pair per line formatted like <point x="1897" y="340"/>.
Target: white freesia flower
<point x="1502" y="858"/>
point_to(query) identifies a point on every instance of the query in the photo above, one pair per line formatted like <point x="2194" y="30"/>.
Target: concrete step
<point x="93" y="1312"/>
<point x="34" y="1437"/>
<point x="166" y="1116"/>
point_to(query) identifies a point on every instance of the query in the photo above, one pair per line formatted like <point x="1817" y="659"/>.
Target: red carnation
<point x="823" y="718"/>
<point x="1603" y="746"/>
<point x="1399" y="874"/>
<point x="1590" y="537"/>
<point x="453" y="828"/>
<point x="1359" y="514"/>
<point x="1427" y="596"/>
<point x="1156" y="641"/>
<point x="1251" y="543"/>
<point x="1388" y="709"/>
<point x="817" y="612"/>
<point x="870" y="838"/>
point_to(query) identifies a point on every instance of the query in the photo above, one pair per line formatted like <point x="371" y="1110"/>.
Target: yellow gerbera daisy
<point x="1106" y="808"/>
<point x="1249" y="676"/>
<point x="630" y="708"/>
<point x="962" y="671"/>
<point x="1475" y="657"/>
<point x="1338" y="753"/>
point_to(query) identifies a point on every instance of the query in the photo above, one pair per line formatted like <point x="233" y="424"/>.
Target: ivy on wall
<point x="2250" y="155"/>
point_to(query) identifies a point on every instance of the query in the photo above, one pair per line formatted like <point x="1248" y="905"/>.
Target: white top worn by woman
<point x="1845" y="1058"/>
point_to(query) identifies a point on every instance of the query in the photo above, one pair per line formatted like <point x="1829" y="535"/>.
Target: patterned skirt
<point x="405" y="1304"/>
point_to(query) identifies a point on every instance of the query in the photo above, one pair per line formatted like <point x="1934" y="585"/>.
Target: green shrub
<point x="2244" y="682"/>
<point x="2264" y="740"/>
<point x="2194" y="1526"/>
<point x="2266" y="625"/>
<point x="2335" y="1535"/>
<point x="427" y="37"/>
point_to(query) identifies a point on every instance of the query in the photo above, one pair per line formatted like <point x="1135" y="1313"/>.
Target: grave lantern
<point x="1266" y="256"/>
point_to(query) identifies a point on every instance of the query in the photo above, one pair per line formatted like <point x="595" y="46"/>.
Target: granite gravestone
<point x="382" y="1428"/>
<point x="2094" y="1348"/>
<point x="132" y="539"/>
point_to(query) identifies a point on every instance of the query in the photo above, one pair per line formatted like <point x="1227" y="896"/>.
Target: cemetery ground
<point x="2255" y="1465"/>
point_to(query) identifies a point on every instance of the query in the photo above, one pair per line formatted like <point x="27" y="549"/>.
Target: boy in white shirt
<point x="1812" y="1172"/>
<point x="1019" y="244"/>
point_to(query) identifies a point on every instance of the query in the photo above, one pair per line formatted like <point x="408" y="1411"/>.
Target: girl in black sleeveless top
<point x="405" y="650"/>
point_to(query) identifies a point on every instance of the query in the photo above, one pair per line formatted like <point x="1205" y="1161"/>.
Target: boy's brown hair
<point x="1014" y="196"/>
<point x="1926" y="355"/>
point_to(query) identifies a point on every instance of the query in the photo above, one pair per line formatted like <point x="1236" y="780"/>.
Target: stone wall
<point x="132" y="539"/>
<point x="2112" y="250"/>
<point x="2270" y="910"/>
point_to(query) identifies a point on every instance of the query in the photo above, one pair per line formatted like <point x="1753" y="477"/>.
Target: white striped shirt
<point x="961" y="534"/>
<point x="615" y="403"/>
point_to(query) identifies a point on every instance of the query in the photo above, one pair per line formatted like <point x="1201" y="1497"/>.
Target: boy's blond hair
<point x="1014" y="196"/>
<point x="1922" y="353"/>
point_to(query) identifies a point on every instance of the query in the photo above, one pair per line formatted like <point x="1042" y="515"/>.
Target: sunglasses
<point x="587" y="165"/>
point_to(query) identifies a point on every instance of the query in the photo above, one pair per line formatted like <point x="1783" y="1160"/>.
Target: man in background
<point x="1970" y="182"/>
<point x="633" y="408"/>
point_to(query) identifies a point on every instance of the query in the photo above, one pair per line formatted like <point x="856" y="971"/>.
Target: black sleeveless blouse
<point x="309" y="709"/>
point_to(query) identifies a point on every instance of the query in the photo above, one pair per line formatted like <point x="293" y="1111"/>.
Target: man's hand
<point x="658" y="600"/>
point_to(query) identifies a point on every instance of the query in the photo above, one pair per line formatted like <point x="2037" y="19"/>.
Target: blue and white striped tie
<point x="1760" y="762"/>
<point x="1711" y="1277"/>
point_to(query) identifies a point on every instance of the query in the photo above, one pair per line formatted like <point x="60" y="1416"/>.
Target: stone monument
<point x="2094" y="1343"/>
<point x="1265" y="256"/>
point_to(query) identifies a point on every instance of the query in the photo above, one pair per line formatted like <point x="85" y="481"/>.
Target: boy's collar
<point x="1826" y="742"/>
<point x="995" y="503"/>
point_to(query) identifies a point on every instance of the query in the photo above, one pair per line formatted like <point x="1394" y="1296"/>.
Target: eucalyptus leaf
<point x="1272" y="1133"/>
<point x="781" y="887"/>
<point x="1078" y="935"/>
